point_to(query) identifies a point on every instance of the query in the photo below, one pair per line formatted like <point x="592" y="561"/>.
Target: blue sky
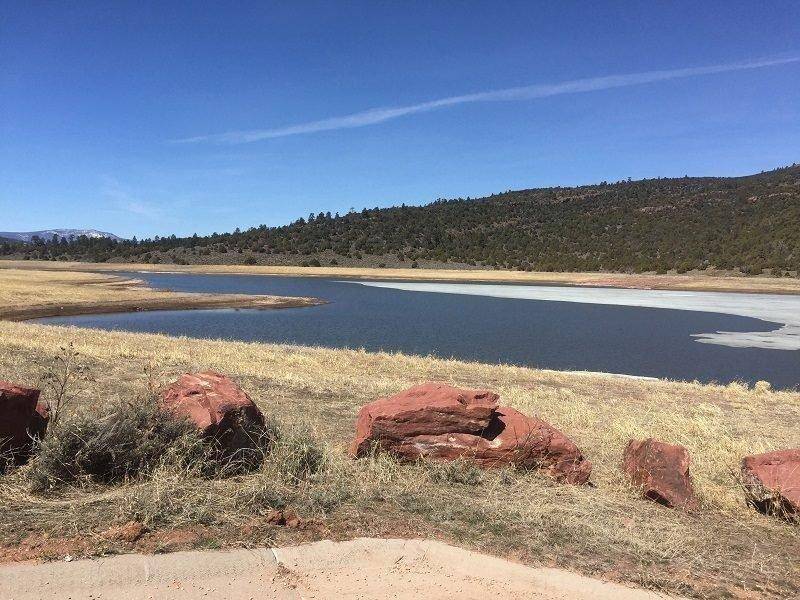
<point x="166" y="117"/>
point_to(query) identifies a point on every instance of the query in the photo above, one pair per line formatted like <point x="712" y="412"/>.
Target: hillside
<point x="743" y="223"/>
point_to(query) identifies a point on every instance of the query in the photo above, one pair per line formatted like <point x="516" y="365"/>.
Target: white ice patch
<point x="774" y="308"/>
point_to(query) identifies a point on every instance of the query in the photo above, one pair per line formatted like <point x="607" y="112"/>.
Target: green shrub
<point x="121" y="441"/>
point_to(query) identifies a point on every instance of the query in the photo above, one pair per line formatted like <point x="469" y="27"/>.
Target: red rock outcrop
<point x="441" y="422"/>
<point x="662" y="471"/>
<point x="772" y="482"/>
<point x="219" y="409"/>
<point x="23" y="416"/>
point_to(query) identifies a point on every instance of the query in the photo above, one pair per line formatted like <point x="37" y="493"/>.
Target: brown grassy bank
<point x="725" y="550"/>
<point x="719" y="282"/>
<point x="27" y="294"/>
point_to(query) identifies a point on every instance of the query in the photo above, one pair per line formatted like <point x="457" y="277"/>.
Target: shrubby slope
<point x="731" y="223"/>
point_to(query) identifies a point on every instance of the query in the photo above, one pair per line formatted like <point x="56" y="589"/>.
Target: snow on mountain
<point x="48" y="234"/>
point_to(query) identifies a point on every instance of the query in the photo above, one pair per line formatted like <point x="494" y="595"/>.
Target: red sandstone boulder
<point x="23" y="417"/>
<point x="429" y="409"/>
<point x="772" y="482"/>
<point x="662" y="471"/>
<point x="441" y="422"/>
<point x="219" y="409"/>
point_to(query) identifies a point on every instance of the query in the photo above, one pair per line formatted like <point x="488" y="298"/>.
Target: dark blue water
<point x="553" y="335"/>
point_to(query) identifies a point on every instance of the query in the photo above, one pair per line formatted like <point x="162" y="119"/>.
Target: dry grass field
<point x="724" y="550"/>
<point x="708" y="282"/>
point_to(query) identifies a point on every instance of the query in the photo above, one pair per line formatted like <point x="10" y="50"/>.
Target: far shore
<point x="32" y="294"/>
<point x="184" y="302"/>
<point x="707" y="282"/>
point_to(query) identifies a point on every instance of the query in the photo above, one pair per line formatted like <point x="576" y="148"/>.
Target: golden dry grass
<point x="606" y="529"/>
<point x="23" y="288"/>
<point x="720" y="282"/>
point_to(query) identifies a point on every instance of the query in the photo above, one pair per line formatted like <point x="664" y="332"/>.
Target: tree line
<point x="747" y="223"/>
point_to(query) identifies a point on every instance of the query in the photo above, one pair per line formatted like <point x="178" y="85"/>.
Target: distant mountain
<point x="49" y="234"/>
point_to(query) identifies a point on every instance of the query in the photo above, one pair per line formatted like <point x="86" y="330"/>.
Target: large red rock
<point x="772" y="482"/>
<point x="662" y="471"/>
<point x="23" y="417"/>
<point x="428" y="409"/>
<point x="219" y="409"/>
<point x="441" y="422"/>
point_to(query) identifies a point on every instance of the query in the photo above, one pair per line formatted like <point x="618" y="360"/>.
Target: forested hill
<point x="748" y="223"/>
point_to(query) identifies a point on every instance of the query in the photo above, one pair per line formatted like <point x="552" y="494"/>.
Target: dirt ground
<point x="364" y="568"/>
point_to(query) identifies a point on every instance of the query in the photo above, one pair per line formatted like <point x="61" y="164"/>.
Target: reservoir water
<point x="461" y="322"/>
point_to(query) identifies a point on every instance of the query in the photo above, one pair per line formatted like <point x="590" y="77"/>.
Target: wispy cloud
<point x="530" y="92"/>
<point x="113" y="190"/>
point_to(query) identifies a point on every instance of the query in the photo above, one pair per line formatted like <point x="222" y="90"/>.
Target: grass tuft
<point x="125" y="440"/>
<point x="459" y="472"/>
<point x="296" y="455"/>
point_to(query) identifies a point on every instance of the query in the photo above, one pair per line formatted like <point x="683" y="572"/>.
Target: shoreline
<point x="779" y="309"/>
<point x="687" y="282"/>
<point x="202" y="302"/>
<point x="66" y="296"/>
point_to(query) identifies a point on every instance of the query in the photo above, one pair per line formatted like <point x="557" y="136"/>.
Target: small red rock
<point x="291" y="519"/>
<point x="287" y="517"/>
<point x="179" y="539"/>
<point x="662" y="471"/>
<point x="772" y="482"/>
<point x="22" y="417"/>
<point x="218" y="407"/>
<point x="275" y="517"/>
<point x="129" y="532"/>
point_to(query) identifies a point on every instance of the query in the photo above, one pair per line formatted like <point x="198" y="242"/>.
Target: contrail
<point x="379" y="115"/>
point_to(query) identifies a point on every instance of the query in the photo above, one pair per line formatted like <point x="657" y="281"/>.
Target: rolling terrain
<point x="740" y="224"/>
